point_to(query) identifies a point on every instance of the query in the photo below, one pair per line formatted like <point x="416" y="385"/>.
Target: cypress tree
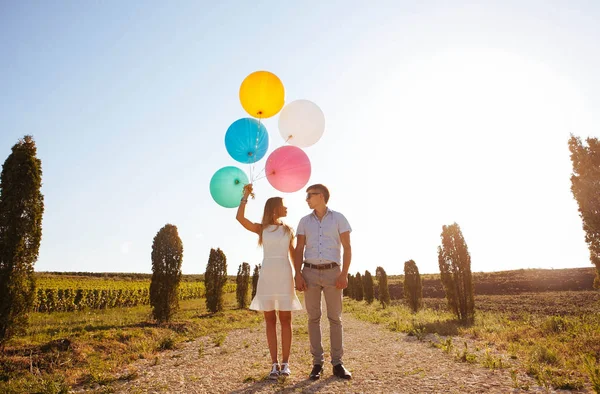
<point x="369" y="288"/>
<point x="21" y="211"/>
<point x="167" y="256"/>
<point x="384" y="291"/>
<point x="585" y="186"/>
<point x="359" y="290"/>
<point x="242" y="284"/>
<point x="413" y="289"/>
<point x="215" y="279"/>
<point x="455" y="269"/>
<point x="255" y="277"/>
<point x="349" y="289"/>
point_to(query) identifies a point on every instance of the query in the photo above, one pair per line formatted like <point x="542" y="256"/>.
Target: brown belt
<point x="321" y="266"/>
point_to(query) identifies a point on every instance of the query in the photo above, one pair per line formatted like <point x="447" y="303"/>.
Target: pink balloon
<point x="288" y="169"/>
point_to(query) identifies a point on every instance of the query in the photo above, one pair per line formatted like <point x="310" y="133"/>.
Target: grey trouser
<point x="319" y="281"/>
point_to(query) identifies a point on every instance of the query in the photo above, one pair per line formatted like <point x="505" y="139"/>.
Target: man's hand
<point x="300" y="282"/>
<point x="342" y="281"/>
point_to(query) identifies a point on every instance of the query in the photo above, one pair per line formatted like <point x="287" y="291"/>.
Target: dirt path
<point x="381" y="362"/>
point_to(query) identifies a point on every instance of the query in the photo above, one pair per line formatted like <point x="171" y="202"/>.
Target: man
<point x="320" y="236"/>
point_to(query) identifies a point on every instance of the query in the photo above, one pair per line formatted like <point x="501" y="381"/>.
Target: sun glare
<point x="482" y="140"/>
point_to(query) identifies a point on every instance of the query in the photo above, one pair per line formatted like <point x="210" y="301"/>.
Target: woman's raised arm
<point x="241" y="217"/>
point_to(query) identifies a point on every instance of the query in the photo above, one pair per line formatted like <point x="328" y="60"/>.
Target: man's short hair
<point x="320" y="188"/>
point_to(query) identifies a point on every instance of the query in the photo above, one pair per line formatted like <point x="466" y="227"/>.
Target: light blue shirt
<point x="323" y="244"/>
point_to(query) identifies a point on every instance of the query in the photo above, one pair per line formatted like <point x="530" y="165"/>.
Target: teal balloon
<point x="227" y="186"/>
<point x="247" y="140"/>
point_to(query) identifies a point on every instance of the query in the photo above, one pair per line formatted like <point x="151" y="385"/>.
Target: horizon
<point x="591" y="268"/>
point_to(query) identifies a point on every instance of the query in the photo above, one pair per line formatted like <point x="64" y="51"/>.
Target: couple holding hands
<point x="319" y="267"/>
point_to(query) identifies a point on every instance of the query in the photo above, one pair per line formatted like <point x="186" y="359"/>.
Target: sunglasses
<point x="308" y="195"/>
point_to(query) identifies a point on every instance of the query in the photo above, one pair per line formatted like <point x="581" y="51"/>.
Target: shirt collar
<point x="327" y="211"/>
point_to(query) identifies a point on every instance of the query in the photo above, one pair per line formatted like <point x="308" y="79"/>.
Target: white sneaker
<point x="274" y="371"/>
<point x="285" y="369"/>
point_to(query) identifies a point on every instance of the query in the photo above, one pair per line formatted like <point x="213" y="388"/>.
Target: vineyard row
<point x="69" y="299"/>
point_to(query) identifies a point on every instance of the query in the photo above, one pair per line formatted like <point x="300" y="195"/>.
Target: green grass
<point x="91" y="348"/>
<point x="548" y="347"/>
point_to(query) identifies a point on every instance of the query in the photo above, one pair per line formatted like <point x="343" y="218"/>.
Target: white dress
<point x="275" y="288"/>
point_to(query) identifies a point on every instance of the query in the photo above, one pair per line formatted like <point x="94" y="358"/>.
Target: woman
<point x="275" y="288"/>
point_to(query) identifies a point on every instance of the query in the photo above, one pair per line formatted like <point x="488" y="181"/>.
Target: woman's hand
<point x="299" y="282"/>
<point x="248" y="191"/>
<point x="241" y="217"/>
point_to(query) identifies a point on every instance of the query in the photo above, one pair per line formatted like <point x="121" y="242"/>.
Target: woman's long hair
<point x="271" y="206"/>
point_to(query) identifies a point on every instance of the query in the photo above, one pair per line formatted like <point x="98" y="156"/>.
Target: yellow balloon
<point x="262" y="94"/>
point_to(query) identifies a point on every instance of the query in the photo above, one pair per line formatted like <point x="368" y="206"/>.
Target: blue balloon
<point x="247" y="140"/>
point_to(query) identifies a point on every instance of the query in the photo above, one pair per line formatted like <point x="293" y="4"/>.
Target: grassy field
<point x="553" y="336"/>
<point x="63" y="349"/>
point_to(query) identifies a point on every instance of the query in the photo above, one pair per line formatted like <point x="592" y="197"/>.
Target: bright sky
<point x="435" y="114"/>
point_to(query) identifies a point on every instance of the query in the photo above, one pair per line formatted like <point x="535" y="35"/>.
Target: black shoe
<point x="316" y="372"/>
<point x="341" y="372"/>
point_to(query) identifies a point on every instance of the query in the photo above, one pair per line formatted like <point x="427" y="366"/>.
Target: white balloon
<point x="301" y="123"/>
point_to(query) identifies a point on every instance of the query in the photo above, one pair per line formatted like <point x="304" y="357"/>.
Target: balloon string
<point x="258" y="177"/>
<point x="258" y="174"/>
<point x="287" y="169"/>
<point x="253" y="165"/>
